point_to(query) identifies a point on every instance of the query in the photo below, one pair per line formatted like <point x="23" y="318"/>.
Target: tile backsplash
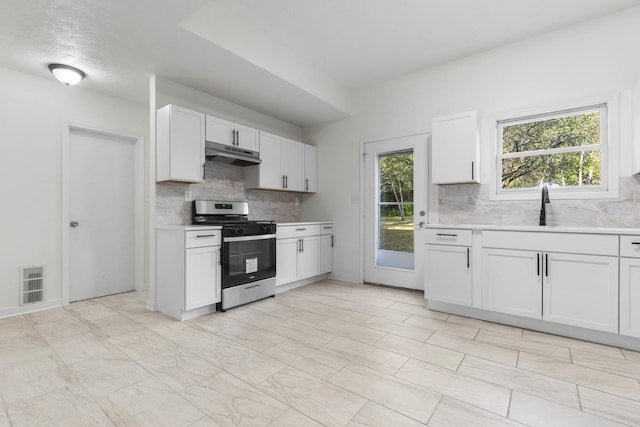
<point x="225" y="182"/>
<point x="470" y="204"/>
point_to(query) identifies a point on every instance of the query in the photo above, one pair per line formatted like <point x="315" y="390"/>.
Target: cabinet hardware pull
<point x="202" y="236"/>
<point x="546" y="265"/>
<point x="538" y="267"/>
<point x="468" y="263"/>
<point x="302" y="244"/>
<point x="283" y="182"/>
<point x="300" y="229"/>
<point x="286" y="181"/>
<point x="472" y="171"/>
<point x="332" y="240"/>
<point x="635" y="243"/>
<point x="204" y="172"/>
<point x="306" y="184"/>
<point x="446" y="235"/>
<point x="328" y="227"/>
<point x="237" y="137"/>
<point x="251" y="287"/>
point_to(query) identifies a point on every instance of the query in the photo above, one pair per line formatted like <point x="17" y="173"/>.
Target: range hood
<point x="231" y="155"/>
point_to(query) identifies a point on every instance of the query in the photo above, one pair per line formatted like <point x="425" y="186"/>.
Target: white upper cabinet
<point x="228" y="133"/>
<point x="310" y="169"/>
<point x="455" y="149"/>
<point x="293" y="164"/>
<point x="180" y="135"/>
<point x="283" y="166"/>
<point x="636" y="128"/>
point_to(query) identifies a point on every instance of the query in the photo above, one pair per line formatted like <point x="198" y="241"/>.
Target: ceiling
<point x="296" y="60"/>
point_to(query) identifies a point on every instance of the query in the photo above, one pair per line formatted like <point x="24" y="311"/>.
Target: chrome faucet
<point x="545" y="200"/>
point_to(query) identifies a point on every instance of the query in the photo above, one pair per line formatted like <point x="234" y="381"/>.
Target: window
<point x="568" y="148"/>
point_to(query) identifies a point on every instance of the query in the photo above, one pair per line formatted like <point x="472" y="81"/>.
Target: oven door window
<point x="249" y="260"/>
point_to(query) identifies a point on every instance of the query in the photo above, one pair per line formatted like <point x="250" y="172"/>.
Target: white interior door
<point x="102" y="227"/>
<point x="396" y="206"/>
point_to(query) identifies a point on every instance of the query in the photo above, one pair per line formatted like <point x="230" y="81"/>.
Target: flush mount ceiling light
<point x="66" y="74"/>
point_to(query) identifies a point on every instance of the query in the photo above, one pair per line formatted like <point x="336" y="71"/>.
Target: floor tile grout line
<point x="383" y="373"/>
<point x="435" y="409"/>
<point x="509" y="405"/>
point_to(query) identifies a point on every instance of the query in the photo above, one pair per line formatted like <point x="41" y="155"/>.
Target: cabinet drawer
<point x="573" y="243"/>
<point x="630" y="246"/>
<point x="445" y="236"/>
<point x="326" y="229"/>
<point x="288" y="231"/>
<point x="202" y="238"/>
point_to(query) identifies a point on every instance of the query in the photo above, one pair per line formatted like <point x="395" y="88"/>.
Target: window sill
<point x="612" y="193"/>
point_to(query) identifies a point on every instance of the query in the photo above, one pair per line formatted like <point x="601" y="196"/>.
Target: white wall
<point x="168" y="92"/>
<point x="31" y="117"/>
<point x="591" y="59"/>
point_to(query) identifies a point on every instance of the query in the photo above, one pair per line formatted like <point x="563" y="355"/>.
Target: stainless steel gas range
<point x="248" y="256"/>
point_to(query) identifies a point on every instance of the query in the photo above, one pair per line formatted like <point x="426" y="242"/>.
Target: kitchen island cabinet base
<point x="606" y="338"/>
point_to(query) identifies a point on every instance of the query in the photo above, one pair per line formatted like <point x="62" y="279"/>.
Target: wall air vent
<point x="31" y="284"/>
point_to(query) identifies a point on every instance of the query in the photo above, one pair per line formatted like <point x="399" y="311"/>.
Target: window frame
<point x="608" y="147"/>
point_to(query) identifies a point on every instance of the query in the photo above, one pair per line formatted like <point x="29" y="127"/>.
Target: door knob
<point x="421" y="225"/>
<point x="74" y="224"/>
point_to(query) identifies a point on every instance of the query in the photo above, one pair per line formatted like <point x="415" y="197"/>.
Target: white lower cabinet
<point x="511" y="282"/>
<point x="326" y="248"/>
<point x="326" y="254"/>
<point x="449" y="276"/>
<point x="300" y="251"/>
<point x="202" y="269"/>
<point x="630" y="297"/>
<point x="287" y="270"/>
<point x="309" y="256"/>
<point x="572" y="289"/>
<point x="448" y="270"/>
<point x="188" y="271"/>
<point x="581" y="290"/>
<point x="297" y="259"/>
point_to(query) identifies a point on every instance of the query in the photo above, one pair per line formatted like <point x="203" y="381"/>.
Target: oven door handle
<point x="247" y="238"/>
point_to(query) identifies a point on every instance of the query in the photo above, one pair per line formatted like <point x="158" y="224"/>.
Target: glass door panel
<point x="395" y="210"/>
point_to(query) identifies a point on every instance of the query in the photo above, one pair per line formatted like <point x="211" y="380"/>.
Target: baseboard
<point x="31" y="308"/>
<point x="299" y="283"/>
<point x="584" y="334"/>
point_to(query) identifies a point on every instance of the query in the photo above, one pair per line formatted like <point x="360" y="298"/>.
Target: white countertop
<point x="304" y="223"/>
<point x="539" y="228"/>
<point x="187" y="227"/>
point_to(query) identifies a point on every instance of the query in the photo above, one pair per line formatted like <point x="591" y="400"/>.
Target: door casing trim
<point x="138" y="142"/>
<point x="432" y="199"/>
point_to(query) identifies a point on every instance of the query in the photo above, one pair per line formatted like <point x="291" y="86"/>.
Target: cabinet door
<point x="180" y="145"/>
<point x="270" y="170"/>
<point x="581" y="290"/>
<point x="630" y="297"/>
<point x="287" y="260"/>
<point x="202" y="273"/>
<point x="448" y="274"/>
<point x="309" y="257"/>
<point x="511" y="282"/>
<point x="293" y="164"/>
<point x="247" y="138"/>
<point x="326" y="254"/>
<point x="455" y="149"/>
<point x="220" y="131"/>
<point x="310" y="169"/>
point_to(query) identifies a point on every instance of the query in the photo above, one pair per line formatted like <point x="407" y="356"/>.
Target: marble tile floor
<point x="328" y="354"/>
